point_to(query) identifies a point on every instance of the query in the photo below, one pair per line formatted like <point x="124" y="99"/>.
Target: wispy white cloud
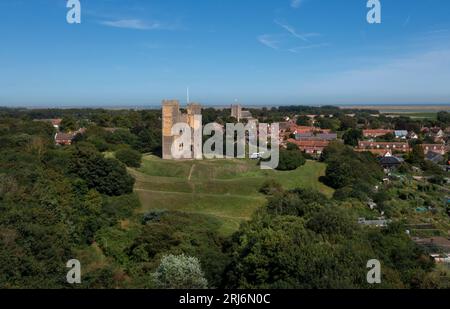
<point x="285" y="41"/>
<point x="136" y="24"/>
<point x="131" y="24"/>
<point x="296" y="3"/>
<point x="269" y="41"/>
<point x="291" y="30"/>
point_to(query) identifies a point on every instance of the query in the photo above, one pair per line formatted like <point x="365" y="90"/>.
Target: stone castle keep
<point x="171" y="115"/>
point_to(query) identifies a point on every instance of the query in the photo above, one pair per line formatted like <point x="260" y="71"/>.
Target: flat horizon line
<point x="414" y="106"/>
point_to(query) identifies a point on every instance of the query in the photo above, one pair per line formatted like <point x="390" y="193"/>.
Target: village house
<point x="437" y="247"/>
<point x="376" y="133"/>
<point x="284" y="127"/>
<point x="436" y="133"/>
<point x="436" y="148"/>
<point x="313" y="147"/>
<point x="295" y="129"/>
<point x="56" y="123"/>
<point x="434" y="157"/>
<point x="412" y="135"/>
<point x="64" y="139"/>
<point x="319" y="136"/>
<point x="401" y="134"/>
<point x="381" y="148"/>
<point x="381" y="222"/>
<point x="389" y="162"/>
<point x="425" y="130"/>
<point x="304" y="136"/>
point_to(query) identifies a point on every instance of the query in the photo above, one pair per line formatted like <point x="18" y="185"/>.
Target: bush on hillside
<point x="129" y="157"/>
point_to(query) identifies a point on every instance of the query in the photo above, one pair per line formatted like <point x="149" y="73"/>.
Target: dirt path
<point x="191" y="171"/>
<point x="249" y="197"/>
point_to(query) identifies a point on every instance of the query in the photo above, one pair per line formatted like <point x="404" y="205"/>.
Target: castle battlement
<point x="172" y="115"/>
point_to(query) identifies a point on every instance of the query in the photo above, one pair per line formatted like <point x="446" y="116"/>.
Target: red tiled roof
<point x="381" y="144"/>
<point x="56" y="122"/>
<point x="441" y="148"/>
<point x="306" y="144"/>
<point x="63" y="137"/>
<point x="305" y="129"/>
<point x="381" y="147"/>
<point x="377" y="132"/>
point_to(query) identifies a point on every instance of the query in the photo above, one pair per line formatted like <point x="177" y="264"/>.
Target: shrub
<point x="290" y="160"/>
<point x="179" y="272"/>
<point x="129" y="157"/>
<point x="271" y="187"/>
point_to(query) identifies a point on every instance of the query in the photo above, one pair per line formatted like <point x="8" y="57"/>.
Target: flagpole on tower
<point x="187" y="95"/>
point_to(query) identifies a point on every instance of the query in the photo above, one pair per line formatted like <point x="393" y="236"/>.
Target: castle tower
<point x="196" y="125"/>
<point x="170" y="116"/>
<point x="236" y="111"/>
<point x="192" y="110"/>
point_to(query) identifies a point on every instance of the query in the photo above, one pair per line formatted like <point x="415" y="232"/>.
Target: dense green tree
<point x="303" y="121"/>
<point x="352" y="137"/>
<point x="328" y="123"/>
<point x="99" y="143"/>
<point x="107" y="176"/>
<point x="348" y="168"/>
<point x="121" y="136"/>
<point x="347" y="123"/>
<point x="292" y="147"/>
<point x="129" y="157"/>
<point x="290" y="160"/>
<point x="297" y="203"/>
<point x="332" y="221"/>
<point x="69" y="124"/>
<point x="322" y="249"/>
<point x="280" y="252"/>
<point x="444" y="117"/>
<point x="416" y="156"/>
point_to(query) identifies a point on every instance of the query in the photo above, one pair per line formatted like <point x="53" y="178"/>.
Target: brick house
<point x="64" y="139"/>
<point x="313" y="147"/>
<point x="380" y="148"/>
<point x="376" y="133"/>
<point x="436" y="148"/>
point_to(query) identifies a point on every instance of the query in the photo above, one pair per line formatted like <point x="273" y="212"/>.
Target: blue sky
<point x="268" y="52"/>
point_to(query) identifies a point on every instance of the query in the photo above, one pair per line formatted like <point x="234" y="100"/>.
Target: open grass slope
<point x="225" y="189"/>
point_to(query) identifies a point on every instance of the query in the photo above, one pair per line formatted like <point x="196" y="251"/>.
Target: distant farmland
<point x="392" y="109"/>
<point x="422" y="115"/>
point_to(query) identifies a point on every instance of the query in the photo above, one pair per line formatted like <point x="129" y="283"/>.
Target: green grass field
<point x="225" y="189"/>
